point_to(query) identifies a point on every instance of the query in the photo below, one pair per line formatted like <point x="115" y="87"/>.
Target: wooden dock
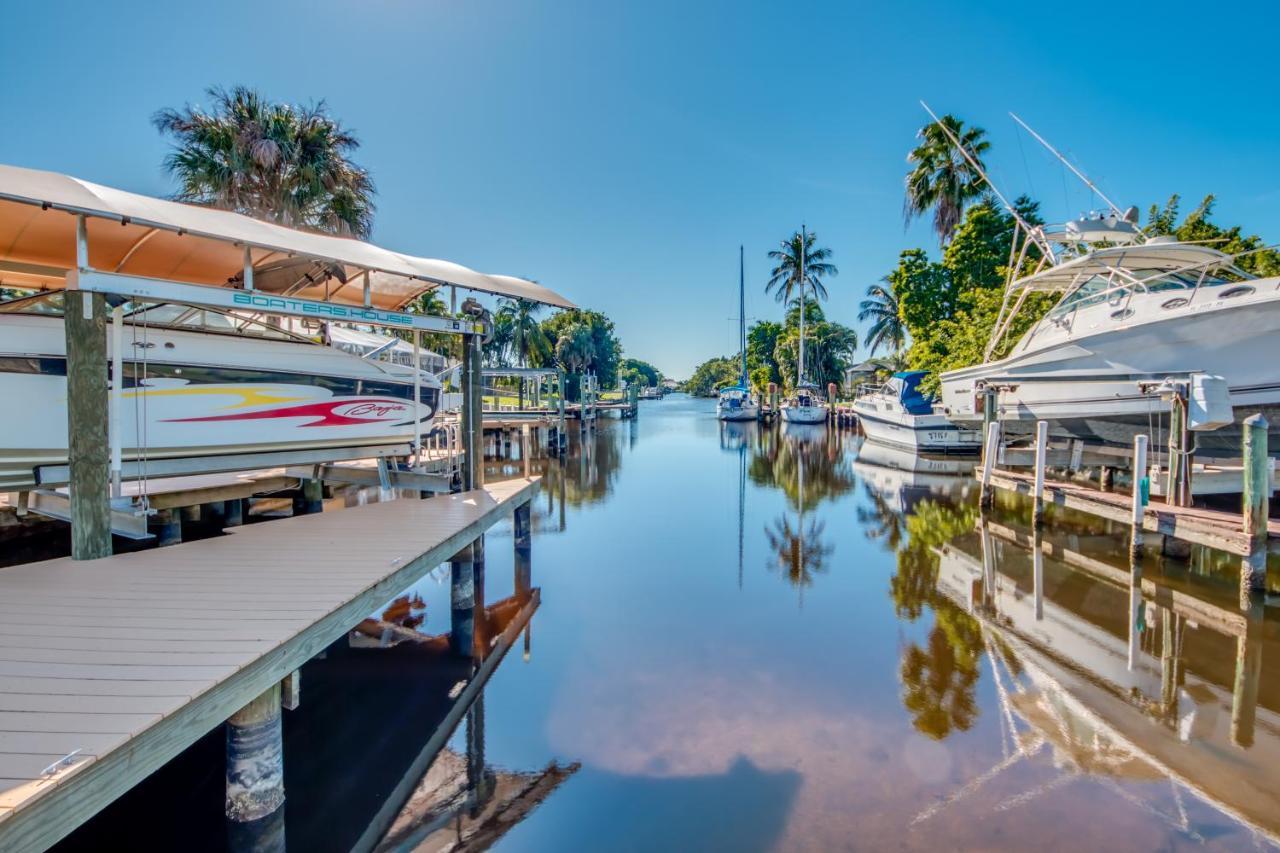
<point x="111" y="667"/>
<point x="1214" y="528"/>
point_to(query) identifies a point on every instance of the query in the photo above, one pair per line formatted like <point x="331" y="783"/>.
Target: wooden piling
<point x="1256" y="496"/>
<point x="87" y="414"/>
<point x="1178" y="489"/>
<point x="472" y="413"/>
<point x="462" y="622"/>
<point x="255" y="759"/>
<point x="1042" y="447"/>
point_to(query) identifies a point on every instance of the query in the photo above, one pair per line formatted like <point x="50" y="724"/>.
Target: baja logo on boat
<point x="375" y="411"/>
<point x="328" y="414"/>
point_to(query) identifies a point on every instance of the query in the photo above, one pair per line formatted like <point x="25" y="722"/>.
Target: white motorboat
<point x="897" y="413"/>
<point x="736" y="402"/>
<point x="805" y="405"/>
<point x="1138" y="317"/>
<point x="201" y="382"/>
<point x="651" y="392"/>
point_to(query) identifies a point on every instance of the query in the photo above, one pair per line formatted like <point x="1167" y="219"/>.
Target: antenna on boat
<point x="1079" y="174"/>
<point x="1032" y="232"/>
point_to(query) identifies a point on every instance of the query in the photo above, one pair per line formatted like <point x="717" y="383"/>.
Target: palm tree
<point x="284" y="163"/>
<point x="881" y="306"/>
<point x="530" y="343"/>
<point x="941" y="178"/>
<point x="574" y="350"/>
<point x="785" y="275"/>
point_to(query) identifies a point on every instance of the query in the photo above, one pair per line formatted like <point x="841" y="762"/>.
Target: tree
<point x="637" y="372"/>
<point x="1197" y="227"/>
<point x="784" y="279"/>
<point x="829" y="347"/>
<point x="712" y="375"/>
<point x="603" y="354"/>
<point x="529" y="342"/>
<point x="881" y="307"/>
<point x="762" y="340"/>
<point x="279" y="162"/>
<point x="497" y="350"/>
<point x="941" y="178"/>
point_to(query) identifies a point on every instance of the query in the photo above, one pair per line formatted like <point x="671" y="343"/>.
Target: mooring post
<point x="1256" y="492"/>
<point x="523" y="528"/>
<point x="166" y="526"/>
<point x="1140" y="489"/>
<point x="562" y="440"/>
<point x="1244" y="692"/>
<point x="87" y="416"/>
<point x="773" y="399"/>
<point x="831" y="400"/>
<point x="1037" y="573"/>
<point x="1178" y="490"/>
<point x="526" y="450"/>
<point x="234" y="513"/>
<point x="1135" y="609"/>
<point x="989" y="462"/>
<point x="255" y="759"/>
<point x="1042" y="448"/>
<point x="462" y="601"/>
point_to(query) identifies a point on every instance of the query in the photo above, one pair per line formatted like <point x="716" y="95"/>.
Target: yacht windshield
<point x="164" y="315"/>
<point x="1112" y="286"/>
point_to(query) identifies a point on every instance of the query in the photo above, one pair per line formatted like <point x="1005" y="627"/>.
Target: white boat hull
<point x="804" y="414"/>
<point x="1088" y="383"/>
<point x="202" y="395"/>
<point x="745" y="412"/>
<point x="917" y="433"/>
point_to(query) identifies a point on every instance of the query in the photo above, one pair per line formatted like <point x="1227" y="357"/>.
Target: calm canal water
<point x="758" y="638"/>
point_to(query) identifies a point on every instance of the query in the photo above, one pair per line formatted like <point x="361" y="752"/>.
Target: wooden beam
<point x="87" y="409"/>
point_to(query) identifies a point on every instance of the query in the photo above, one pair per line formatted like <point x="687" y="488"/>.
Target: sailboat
<point x="805" y="405"/>
<point x="735" y="402"/>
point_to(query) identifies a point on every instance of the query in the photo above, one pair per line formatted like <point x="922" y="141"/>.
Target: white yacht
<point x="898" y="414"/>
<point x="201" y="382"/>
<point x="736" y="402"/>
<point x="1137" y="317"/>
<point x="1131" y="316"/>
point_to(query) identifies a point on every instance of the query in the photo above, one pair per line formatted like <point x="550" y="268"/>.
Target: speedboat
<point x="805" y="406"/>
<point x="735" y="402"/>
<point x="651" y="392"/>
<point x="897" y="413"/>
<point x="202" y="382"/>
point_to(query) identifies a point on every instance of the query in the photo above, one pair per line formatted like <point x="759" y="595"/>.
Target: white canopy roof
<point x="156" y="238"/>
<point x="1148" y="256"/>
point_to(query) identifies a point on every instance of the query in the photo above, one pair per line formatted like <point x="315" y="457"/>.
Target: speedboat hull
<point x="204" y="395"/>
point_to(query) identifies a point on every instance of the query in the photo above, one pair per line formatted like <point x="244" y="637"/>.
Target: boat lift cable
<point x="1079" y="174"/>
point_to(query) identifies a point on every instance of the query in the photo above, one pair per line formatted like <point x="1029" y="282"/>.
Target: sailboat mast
<point x="742" y="315"/>
<point x="803" y="251"/>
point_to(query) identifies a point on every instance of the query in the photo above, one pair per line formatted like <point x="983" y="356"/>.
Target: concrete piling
<point x="255" y="759"/>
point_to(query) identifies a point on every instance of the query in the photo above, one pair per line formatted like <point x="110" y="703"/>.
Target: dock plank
<point x="250" y="608"/>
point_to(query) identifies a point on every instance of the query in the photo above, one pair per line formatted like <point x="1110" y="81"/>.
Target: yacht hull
<point x="745" y="412"/>
<point x="1087" y="385"/>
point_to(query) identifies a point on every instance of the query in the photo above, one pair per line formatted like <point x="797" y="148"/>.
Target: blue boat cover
<point x="912" y="400"/>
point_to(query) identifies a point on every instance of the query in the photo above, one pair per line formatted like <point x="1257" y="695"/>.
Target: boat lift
<point x="106" y="247"/>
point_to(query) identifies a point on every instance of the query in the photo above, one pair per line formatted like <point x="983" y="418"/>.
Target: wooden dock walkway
<point x="111" y="667"/>
<point x="1214" y="528"/>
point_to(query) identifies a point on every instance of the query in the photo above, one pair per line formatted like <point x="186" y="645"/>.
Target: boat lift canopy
<point x="1104" y="262"/>
<point x="127" y="236"/>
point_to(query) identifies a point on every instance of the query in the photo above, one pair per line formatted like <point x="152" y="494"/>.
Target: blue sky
<point x="620" y="152"/>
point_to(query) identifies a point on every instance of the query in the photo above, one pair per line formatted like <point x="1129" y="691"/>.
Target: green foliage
<point x="881" y="308"/>
<point x="280" y="162"/>
<point x="784" y="278"/>
<point x="828" y="349"/>
<point x="584" y="341"/>
<point x="637" y="372"/>
<point x="762" y="339"/>
<point x="712" y="375"/>
<point x="529" y="344"/>
<point x="941" y="178"/>
<point x="949" y="308"/>
<point x="1196" y="227"/>
<point x="760" y="378"/>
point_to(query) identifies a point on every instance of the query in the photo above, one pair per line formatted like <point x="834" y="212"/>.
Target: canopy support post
<point x="117" y="393"/>
<point x="248" y="268"/>
<point x="472" y="413"/>
<point x="87" y="406"/>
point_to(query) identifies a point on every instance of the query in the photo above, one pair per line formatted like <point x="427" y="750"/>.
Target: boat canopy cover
<point x="1150" y="256"/>
<point x="909" y="394"/>
<point x="743" y="389"/>
<point x="150" y="237"/>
